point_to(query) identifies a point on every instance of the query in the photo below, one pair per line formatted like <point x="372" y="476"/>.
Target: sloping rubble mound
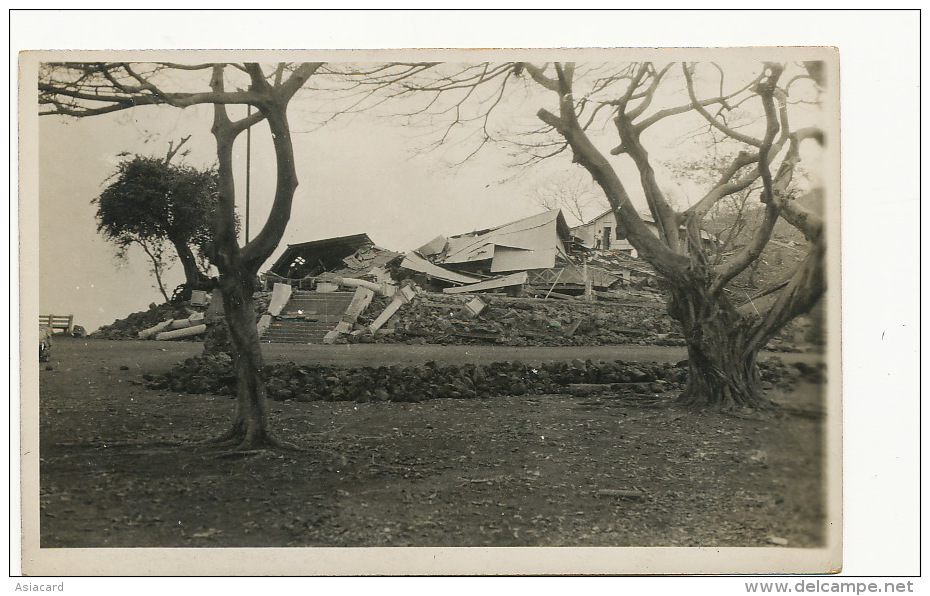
<point x="289" y="381"/>
<point x="439" y="319"/>
<point x="129" y="327"/>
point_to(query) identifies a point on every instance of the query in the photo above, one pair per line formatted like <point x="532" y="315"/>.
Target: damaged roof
<point x="415" y="262"/>
<point x="349" y="255"/>
<point x="529" y="243"/>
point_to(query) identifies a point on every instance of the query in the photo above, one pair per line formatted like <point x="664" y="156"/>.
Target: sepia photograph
<point x="377" y="300"/>
<point x="439" y="299"/>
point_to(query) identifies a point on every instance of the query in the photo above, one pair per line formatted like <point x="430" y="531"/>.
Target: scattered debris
<point x="130" y="326"/>
<point x="473" y="308"/>
<point x="443" y="319"/>
<point x="624" y="494"/>
<point x="507" y="281"/>
<point x="345" y="256"/>
<point x="187" y="331"/>
<point x="540" y="286"/>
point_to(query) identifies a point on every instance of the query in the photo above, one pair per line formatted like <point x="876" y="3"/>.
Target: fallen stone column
<point x="385" y="289"/>
<point x="179" y="333"/>
<point x="151" y="331"/>
<point x="402" y="297"/>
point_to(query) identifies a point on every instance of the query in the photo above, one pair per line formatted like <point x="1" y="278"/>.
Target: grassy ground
<point x="120" y="466"/>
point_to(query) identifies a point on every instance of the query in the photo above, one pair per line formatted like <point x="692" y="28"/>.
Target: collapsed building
<point x="356" y="256"/>
<point x="321" y="288"/>
<point x="536" y="255"/>
<point x="604" y="233"/>
<point x="548" y="280"/>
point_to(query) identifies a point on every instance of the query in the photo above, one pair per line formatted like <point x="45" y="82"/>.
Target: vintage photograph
<point x="518" y="301"/>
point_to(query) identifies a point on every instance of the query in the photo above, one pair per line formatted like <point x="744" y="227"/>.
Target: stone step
<point x="326" y="307"/>
<point x="324" y="320"/>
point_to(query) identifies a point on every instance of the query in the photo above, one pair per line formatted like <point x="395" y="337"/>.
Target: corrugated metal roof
<point x="541" y="232"/>
<point x="434" y="246"/>
<point x="329" y="250"/>
<point x="514" y="259"/>
<point x="415" y="262"/>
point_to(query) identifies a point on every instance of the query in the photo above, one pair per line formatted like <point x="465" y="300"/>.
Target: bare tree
<point x="84" y="90"/>
<point x="751" y="116"/>
<point x="572" y="193"/>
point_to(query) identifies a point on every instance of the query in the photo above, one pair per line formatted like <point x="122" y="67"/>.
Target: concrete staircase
<point x="307" y="317"/>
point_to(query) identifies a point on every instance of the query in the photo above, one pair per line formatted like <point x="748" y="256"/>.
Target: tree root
<point x="232" y="436"/>
<point x="724" y="404"/>
<point x="239" y="440"/>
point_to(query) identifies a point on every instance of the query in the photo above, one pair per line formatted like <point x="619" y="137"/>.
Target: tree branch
<point x="649" y="94"/>
<point x="587" y="154"/>
<point x="537" y="74"/>
<point x="172" y="150"/>
<point x="803" y="290"/>
<point x="699" y="106"/>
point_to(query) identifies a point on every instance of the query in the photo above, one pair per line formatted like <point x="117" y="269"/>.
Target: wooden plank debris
<point x="514" y="279"/>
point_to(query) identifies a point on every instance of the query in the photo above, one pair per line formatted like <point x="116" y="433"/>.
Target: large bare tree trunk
<point x="723" y="342"/>
<point x="238" y="267"/>
<point x="249" y="428"/>
<point x="722" y="369"/>
<point x="722" y="374"/>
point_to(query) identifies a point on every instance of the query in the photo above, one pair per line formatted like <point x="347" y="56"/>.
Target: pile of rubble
<point x="214" y="374"/>
<point x="129" y="327"/>
<point x="434" y="318"/>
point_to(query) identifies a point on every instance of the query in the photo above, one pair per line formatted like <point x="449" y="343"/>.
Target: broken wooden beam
<point x="485" y="335"/>
<point x="360" y="301"/>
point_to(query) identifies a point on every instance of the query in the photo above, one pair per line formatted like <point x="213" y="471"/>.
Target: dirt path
<point x="166" y="353"/>
<point x="120" y="467"/>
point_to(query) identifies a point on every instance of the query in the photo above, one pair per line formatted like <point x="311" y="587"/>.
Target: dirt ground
<point x="120" y="465"/>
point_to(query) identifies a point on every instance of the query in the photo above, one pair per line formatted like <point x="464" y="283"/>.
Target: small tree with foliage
<point x="152" y="203"/>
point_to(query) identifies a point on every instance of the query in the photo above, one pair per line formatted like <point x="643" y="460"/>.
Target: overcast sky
<point x="361" y="175"/>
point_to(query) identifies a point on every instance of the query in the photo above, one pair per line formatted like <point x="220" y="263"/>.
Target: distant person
<point x="45" y="343"/>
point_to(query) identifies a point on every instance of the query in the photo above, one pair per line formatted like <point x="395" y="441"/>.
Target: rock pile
<point x="289" y="381"/>
<point x="129" y="327"/>
<point x="438" y="319"/>
<point x="433" y="318"/>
